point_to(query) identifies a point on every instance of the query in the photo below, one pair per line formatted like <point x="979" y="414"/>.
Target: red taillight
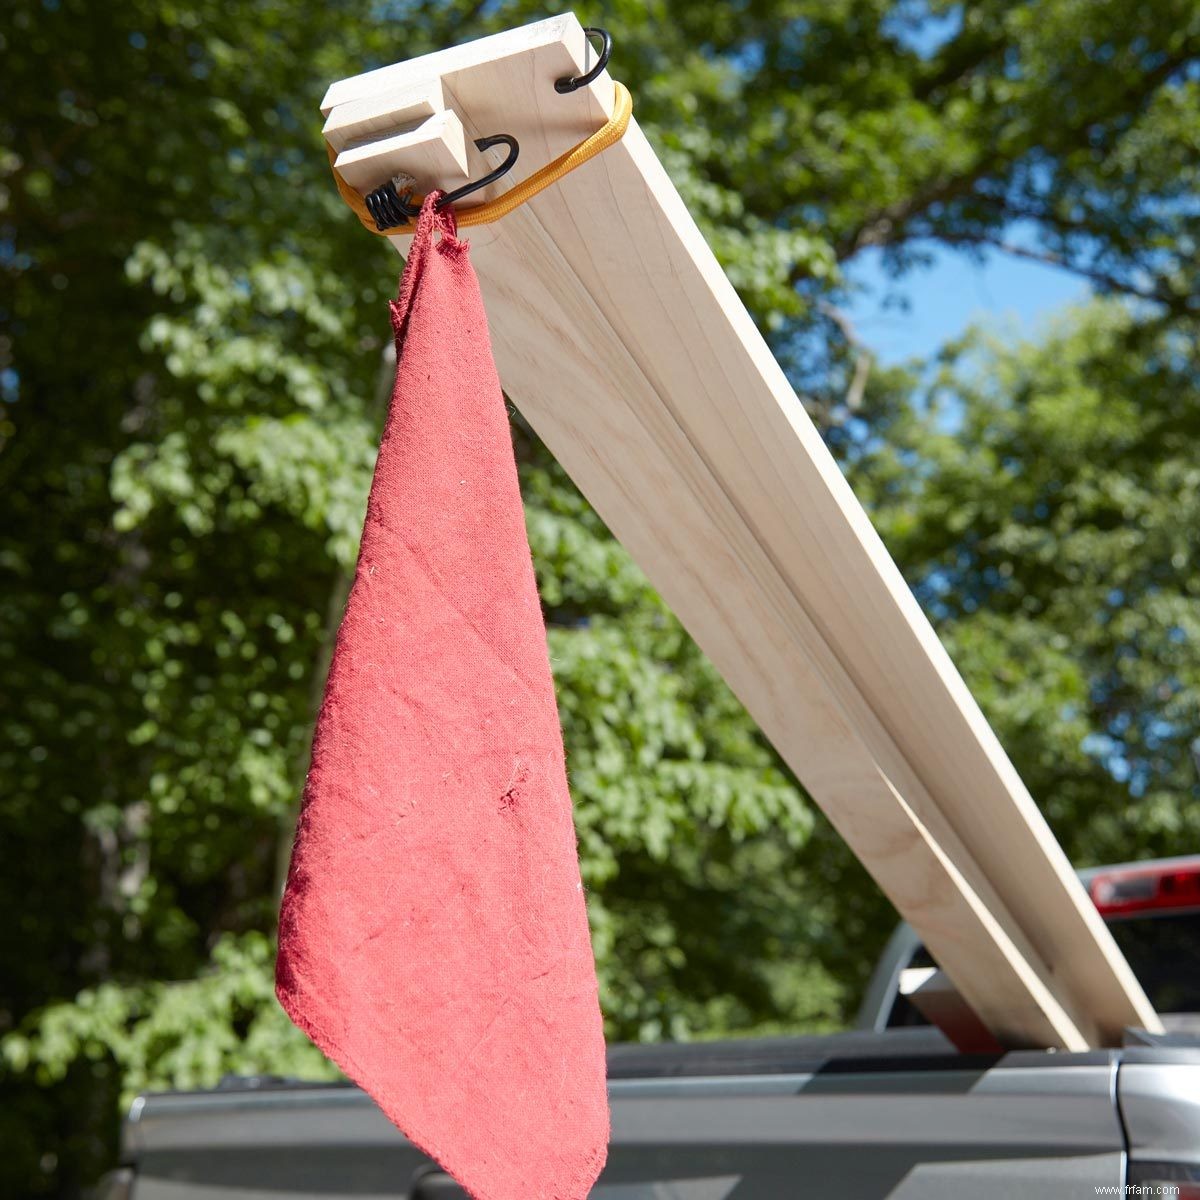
<point x="1146" y="889"/>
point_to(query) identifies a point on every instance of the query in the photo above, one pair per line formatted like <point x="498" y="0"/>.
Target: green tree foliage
<point x="1049" y="528"/>
<point x="190" y="366"/>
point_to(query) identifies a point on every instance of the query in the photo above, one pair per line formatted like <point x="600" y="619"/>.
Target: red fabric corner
<point x="433" y="938"/>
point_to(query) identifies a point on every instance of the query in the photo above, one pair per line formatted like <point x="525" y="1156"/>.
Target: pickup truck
<point x="887" y="1110"/>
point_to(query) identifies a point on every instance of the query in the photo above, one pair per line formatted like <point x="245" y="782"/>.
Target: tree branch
<point x="863" y="358"/>
<point x="1177" y="303"/>
<point x="887" y="224"/>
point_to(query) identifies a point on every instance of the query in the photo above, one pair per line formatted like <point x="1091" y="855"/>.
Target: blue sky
<point x="954" y="291"/>
<point x="950" y="294"/>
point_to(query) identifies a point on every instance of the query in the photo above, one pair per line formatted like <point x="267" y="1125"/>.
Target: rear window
<point x="1164" y="952"/>
<point x="1163" y="949"/>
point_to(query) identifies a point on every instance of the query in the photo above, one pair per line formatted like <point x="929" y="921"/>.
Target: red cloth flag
<point x="433" y="939"/>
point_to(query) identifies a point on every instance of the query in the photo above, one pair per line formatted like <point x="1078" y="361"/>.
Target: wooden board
<point x="434" y="154"/>
<point x="621" y="340"/>
<point x="394" y="111"/>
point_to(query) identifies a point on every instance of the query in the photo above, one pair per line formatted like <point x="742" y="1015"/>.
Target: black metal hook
<point x="571" y="83"/>
<point x="387" y="208"/>
<point x="497" y="139"/>
<point x="390" y="209"/>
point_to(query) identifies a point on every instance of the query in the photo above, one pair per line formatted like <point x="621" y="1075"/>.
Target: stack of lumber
<point x="622" y="342"/>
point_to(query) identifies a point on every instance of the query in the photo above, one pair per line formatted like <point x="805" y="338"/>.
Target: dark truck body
<point x="851" y="1115"/>
<point x="880" y="1112"/>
